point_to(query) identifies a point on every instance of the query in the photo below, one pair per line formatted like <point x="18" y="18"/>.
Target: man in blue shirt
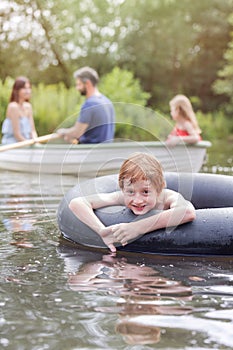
<point x="96" y="121"/>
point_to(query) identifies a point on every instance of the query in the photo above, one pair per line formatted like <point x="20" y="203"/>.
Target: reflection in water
<point x="22" y="221"/>
<point x="17" y="224"/>
<point x="140" y="288"/>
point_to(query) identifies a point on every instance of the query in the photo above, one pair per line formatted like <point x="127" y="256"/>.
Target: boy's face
<point x="140" y="196"/>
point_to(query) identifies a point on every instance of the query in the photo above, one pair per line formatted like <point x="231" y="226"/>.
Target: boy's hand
<point x="108" y="238"/>
<point x="125" y="232"/>
<point x="120" y="233"/>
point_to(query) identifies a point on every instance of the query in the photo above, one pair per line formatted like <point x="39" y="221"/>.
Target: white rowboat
<point x="97" y="159"/>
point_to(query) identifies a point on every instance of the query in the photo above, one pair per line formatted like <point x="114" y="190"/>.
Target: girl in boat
<point x="19" y="123"/>
<point x="186" y="128"/>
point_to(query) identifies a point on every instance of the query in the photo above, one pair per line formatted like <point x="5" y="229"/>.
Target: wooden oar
<point x="29" y="142"/>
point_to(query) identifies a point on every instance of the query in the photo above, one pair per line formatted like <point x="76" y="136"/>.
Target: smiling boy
<point x="142" y="188"/>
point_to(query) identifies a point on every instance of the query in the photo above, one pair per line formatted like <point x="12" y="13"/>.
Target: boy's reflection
<point x="141" y="289"/>
<point x="134" y="333"/>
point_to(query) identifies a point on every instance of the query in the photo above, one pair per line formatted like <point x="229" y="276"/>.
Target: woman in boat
<point x="142" y="187"/>
<point x="19" y="123"/>
<point x="186" y="126"/>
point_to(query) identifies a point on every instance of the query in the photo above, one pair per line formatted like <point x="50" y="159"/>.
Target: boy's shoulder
<point x="167" y="193"/>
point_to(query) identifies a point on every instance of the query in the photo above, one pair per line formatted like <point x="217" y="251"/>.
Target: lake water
<point x="57" y="296"/>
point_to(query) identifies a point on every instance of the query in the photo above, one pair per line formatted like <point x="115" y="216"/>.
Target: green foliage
<point x="121" y="86"/>
<point x="139" y="123"/>
<point x="224" y="84"/>
<point x="48" y="40"/>
<point x="215" y="126"/>
<point x="54" y="105"/>
<point x="129" y="100"/>
<point x="5" y="91"/>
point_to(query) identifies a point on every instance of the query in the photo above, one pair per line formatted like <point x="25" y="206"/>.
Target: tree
<point x="171" y="46"/>
<point x="47" y="37"/>
<point x="224" y="85"/>
<point x="211" y="40"/>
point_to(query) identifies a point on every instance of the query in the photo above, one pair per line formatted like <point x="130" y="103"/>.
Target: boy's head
<point x="142" y="166"/>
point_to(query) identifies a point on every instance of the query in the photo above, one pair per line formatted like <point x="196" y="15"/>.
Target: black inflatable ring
<point x="211" y="233"/>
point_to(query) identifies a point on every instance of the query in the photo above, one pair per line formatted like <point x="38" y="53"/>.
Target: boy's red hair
<point x="142" y="166"/>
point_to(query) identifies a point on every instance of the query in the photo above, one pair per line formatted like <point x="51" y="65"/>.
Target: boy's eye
<point x="146" y="191"/>
<point x="129" y="192"/>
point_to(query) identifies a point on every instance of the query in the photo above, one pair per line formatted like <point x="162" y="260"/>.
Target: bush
<point x="56" y="106"/>
<point x="214" y="126"/>
<point x="5" y="91"/>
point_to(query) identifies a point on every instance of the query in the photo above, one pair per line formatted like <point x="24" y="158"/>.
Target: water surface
<point x="55" y="295"/>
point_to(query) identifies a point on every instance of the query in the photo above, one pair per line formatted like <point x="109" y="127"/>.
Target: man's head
<point x="142" y="166"/>
<point x="85" y="76"/>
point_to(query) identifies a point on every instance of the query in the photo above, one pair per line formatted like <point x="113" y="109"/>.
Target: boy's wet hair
<point x="142" y="166"/>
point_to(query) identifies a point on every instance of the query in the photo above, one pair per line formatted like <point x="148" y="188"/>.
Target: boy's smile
<point x="140" y="196"/>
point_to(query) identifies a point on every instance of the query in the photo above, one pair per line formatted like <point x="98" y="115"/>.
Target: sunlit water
<point x="54" y="295"/>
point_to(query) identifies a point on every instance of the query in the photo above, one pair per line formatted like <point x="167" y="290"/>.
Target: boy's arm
<point x="83" y="207"/>
<point x="176" y="211"/>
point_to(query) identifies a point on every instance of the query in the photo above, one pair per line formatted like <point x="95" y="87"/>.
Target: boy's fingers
<point x="112" y="248"/>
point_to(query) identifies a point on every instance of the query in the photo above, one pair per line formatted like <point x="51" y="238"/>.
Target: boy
<point x="142" y="188"/>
